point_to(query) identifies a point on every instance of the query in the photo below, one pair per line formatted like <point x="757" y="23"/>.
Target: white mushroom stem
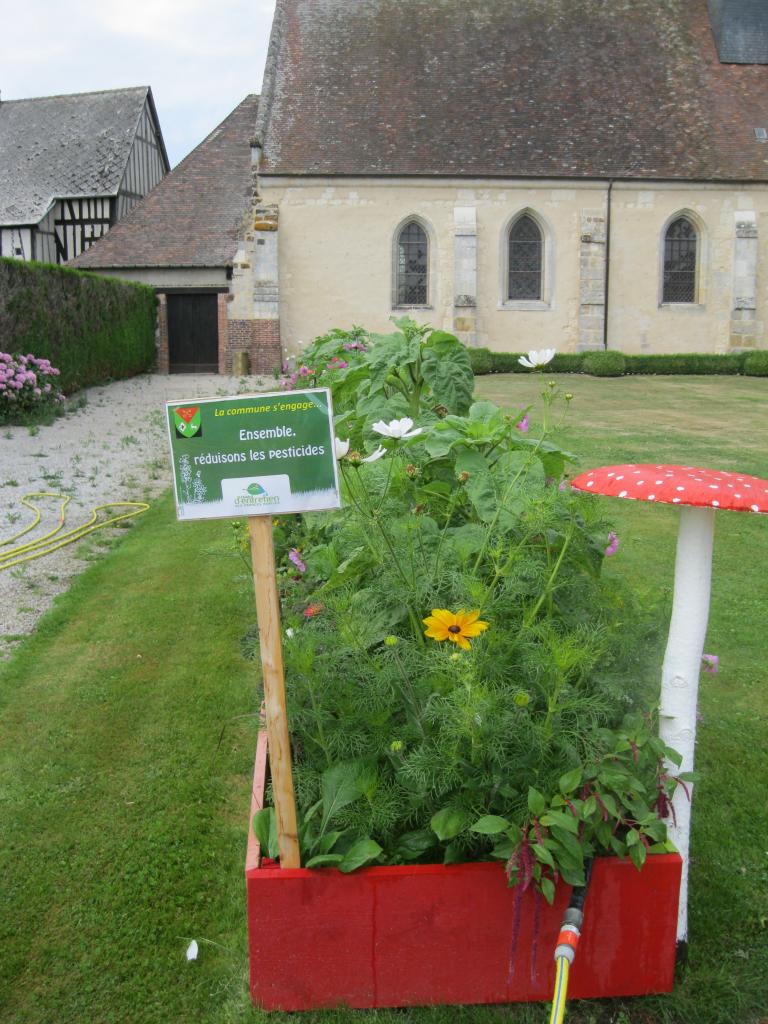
<point x="680" y="673"/>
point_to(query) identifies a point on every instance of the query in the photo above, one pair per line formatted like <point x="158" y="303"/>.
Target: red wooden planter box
<point x="426" y="934"/>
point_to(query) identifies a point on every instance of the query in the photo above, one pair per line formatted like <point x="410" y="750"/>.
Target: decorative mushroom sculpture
<point x="700" y="493"/>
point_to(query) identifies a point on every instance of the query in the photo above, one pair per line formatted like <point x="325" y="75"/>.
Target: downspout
<point x="607" y="262"/>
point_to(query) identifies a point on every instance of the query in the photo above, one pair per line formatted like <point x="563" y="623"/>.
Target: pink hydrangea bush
<point x="29" y="388"/>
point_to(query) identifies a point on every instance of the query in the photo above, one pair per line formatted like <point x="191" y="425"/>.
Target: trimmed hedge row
<point x="92" y="328"/>
<point x="616" y="364"/>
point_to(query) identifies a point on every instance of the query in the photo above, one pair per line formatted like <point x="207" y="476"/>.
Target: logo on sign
<point x="249" y="494"/>
<point x="187" y="421"/>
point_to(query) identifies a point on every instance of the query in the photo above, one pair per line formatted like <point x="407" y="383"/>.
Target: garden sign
<point x="259" y="456"/>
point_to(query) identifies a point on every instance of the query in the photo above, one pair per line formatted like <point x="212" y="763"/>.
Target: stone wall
<point x="335" y="262"/>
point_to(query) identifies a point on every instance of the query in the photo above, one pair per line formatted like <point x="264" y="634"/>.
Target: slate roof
<point x="64" y="147"/>
<point x="741" y="30"/>
<point x="509" y="88"/>
<point x="192" y="217"/>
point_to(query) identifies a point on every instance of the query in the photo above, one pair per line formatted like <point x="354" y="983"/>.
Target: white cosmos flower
<point x="192" y="950"/>
<point x="341" y="447"/>
<point x="289" y="633"/>
<point x="399" y="429"/>
<point x="538" y="358"/>
<point x="375" y="455"/>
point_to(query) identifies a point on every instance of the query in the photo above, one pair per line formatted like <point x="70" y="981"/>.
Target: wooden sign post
<point x="271" y="646"/>
<point x="259" y="456"/>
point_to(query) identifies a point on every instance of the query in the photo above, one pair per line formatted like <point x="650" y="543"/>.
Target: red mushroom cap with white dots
<point x="677" y="485"/>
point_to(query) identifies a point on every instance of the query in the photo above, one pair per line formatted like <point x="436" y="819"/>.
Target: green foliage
<point x="92" y="328"/>
<point x="406" y="742"/>
<point x="481" y="360"/>
<point x="688" y="363"/>
<point x="756" y="364"/>
<point x="604" y="364"/>
<point x="679" y="363"/>
<point x="509" y="362"/>
<point x="415" y="371"/>
<point x="610" y="805"/>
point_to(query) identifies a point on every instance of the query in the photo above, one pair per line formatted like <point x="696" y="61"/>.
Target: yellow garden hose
<point x="567" y="944"/>
<point x="561" y="991"/>
<point x="55" y="539"/>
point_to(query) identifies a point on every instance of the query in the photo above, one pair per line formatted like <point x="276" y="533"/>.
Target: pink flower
<point x="294" y="556"/>
<point x="313" y="609"/>
<point x="37" y="391"/>
<point x="523" y="424"/>
<point x="304" y="371"/>
<point x="710" y="663"/>
<point x="613" y="544"/>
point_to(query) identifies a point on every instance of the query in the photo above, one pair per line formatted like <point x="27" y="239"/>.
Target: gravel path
<point x="113" y="447"/>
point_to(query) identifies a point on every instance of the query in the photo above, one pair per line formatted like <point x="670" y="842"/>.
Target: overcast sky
<point x="201" y="57"/>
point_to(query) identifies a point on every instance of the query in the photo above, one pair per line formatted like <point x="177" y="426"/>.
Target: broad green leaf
<point x="338" y="788"/>
<point x="482" y="494"/>
<point x="638" y="855"/>
<point x="328" y="841"/>
<point x="359" y="854"/>
<point x="542" y="854"/>
<point x="536" y="802"/>
<point x="261" y="828"/>
<point x="441" y="438"/>
<point x="547" y="887"/>
<point x="562" y="819"/>
<point x="572" y="875"/>
<point x="570" y="780"/>
<point x="453" y="854"/>
<point x="490" y="825"/>
<point x="589" y="808"/>
<point x="325" y="860"/>
<point x="504" y="848"/>
<point x="448" y="822"/>
<point x="465" y="540"/>
<point x="448" y="372"/>
<point x="484" y="411"/>
<point x="413" y="844"/>
<point x="470" y="460"/>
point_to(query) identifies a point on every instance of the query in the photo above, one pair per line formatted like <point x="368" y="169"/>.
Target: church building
<point x="576" y="174"/>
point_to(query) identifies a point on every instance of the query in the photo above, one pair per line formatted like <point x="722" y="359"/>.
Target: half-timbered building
<point x="72" y="166"/>
<point x="208" y="251"/>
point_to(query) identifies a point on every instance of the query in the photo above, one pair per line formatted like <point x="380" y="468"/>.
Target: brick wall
<point x="161" y="333"/>
<point x="260" y="338"/>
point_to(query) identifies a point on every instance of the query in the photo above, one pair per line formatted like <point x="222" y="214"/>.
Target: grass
<point x="124" y="822"/>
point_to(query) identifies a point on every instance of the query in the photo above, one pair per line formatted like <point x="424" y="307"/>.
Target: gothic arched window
<point x="525" y="259"/>
<point x="680" y="243"/>
<point x="412" y="261"/>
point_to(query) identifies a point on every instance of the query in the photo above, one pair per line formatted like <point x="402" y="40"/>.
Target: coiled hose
<point x="55" y="539"/>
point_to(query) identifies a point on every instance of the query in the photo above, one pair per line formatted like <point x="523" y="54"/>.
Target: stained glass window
<point x="680" y="262"/>
<point x="525" y="248"/>
<point x="412" y="266"/>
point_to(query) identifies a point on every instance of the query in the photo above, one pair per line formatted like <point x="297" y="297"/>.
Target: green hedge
<point x="689" y="364"/>
<point x="756" y="364"/>
<point x="595" y="363"/>
<point x="92" y="328"/>
<point x="609" y="363"/>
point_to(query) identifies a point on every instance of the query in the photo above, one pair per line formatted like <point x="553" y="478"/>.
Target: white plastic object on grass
<point x="700" y="493"/>
<point x="192" y="950"/>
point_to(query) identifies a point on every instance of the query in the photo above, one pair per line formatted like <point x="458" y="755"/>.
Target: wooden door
<point x="193" y="333"/>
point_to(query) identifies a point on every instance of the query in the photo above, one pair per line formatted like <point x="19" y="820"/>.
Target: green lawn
<point x="123" y="821"/>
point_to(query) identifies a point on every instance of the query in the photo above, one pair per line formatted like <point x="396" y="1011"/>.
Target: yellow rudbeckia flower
<point x="444" y="625"/>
